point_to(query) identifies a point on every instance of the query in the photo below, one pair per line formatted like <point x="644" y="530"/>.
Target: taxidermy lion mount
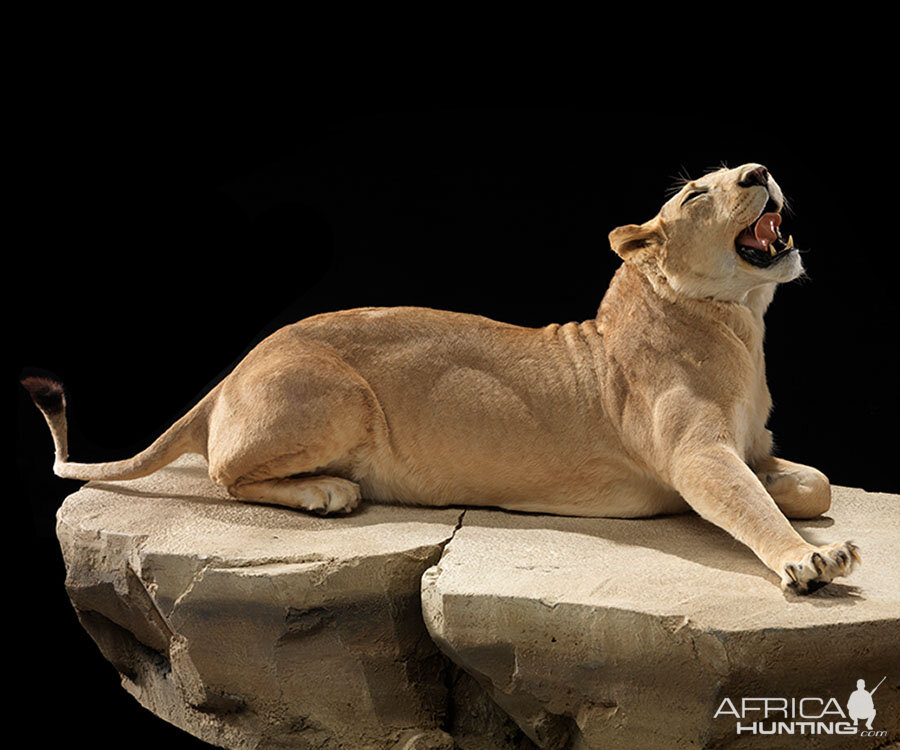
<point x="656" y="406"/>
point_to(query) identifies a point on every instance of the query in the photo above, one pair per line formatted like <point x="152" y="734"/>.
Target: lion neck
<point x="646" y="281"/>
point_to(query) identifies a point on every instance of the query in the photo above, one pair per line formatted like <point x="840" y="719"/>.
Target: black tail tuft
<point x="46" y="391"/>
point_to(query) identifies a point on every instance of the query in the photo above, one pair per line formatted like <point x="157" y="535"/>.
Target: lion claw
<point x="819" y="567"/>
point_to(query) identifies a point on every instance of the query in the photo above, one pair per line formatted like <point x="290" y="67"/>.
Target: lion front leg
<point x="717" y="483"/>
<point x="800" y="491"/>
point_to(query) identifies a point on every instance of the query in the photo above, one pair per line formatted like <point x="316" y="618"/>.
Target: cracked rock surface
<point x="254" y="626"/>
<point x="410" y="628"/>
<point x="609" y="633"/>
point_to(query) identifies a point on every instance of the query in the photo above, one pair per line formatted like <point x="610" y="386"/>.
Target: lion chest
<point x="750" y="414"/>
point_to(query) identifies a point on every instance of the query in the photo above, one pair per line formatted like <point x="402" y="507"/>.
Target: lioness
<point x="656" y="406"/>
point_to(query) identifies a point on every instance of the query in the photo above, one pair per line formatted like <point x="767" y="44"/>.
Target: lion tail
<point x="187" y="435"/>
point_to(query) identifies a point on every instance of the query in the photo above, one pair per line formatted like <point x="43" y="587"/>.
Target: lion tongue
<point x="762" y="233"/>
<point x="766" y="227"/>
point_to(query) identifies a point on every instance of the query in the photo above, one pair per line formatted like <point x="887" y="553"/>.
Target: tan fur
<point x="656" y="406"/>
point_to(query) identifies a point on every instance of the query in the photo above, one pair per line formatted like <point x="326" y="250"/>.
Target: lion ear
<point x="631" y="238"/>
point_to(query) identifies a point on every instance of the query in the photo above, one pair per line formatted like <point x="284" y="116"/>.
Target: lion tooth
<point x="772" y="250"/>
<point x="790" y="240"/>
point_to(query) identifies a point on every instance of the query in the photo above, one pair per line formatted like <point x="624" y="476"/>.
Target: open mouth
<point x="761" y="244"/>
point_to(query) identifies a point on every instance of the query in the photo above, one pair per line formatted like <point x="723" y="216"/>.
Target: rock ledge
<point x="396" y="627"/>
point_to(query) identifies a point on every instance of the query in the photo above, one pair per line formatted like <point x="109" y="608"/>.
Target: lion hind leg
<point x="321" y="494"/>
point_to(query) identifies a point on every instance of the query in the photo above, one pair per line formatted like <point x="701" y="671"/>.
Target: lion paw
<point x="318" y="494"/>
<point x="327" y="495"/>
<point x="819" y="567"/>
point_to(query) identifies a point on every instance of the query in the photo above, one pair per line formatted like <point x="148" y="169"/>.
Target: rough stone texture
<point x="603" y="633"/>
<point x="261" y="627"/>
<point x="254" y="626"/>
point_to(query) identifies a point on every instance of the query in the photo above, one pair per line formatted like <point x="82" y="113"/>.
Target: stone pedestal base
<point x="395" y="627"/>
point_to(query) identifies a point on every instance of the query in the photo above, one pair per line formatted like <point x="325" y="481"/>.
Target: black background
<point x="164" y="234"/>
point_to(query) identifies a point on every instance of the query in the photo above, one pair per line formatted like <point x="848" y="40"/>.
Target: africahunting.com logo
<point x="808" y="715"/>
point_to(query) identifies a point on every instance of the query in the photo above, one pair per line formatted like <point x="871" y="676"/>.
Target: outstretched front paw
<point x="819" y="567"/>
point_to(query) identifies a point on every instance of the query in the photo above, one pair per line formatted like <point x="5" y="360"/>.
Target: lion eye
<point x="690" y="196"/>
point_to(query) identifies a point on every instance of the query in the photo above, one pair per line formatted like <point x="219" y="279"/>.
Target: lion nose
<point x="756" y="176"/>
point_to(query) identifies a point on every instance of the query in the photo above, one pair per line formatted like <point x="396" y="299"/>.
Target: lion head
<point x="718" y="237"/>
